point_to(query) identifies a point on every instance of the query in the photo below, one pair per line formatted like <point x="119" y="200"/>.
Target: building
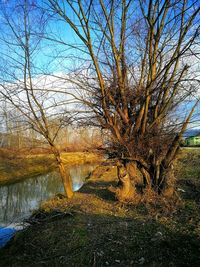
<point x="193" y="140"/>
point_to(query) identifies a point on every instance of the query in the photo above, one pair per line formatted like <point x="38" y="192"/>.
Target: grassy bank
<point x="14" y="168"/>
<point x="93" y="229"/>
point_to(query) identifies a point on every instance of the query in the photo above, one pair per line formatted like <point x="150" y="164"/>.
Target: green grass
<point x="93" y="229"/>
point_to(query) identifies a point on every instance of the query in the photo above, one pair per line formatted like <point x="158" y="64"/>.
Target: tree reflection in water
<point x="19" y="199"/>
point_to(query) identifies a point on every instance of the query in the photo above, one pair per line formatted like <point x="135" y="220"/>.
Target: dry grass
<point x="13" y="169"/>
<point x="93" y="229"/>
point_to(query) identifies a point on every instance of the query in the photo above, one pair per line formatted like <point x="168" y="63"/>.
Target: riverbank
<point x="15" y="168"/>
<point x="93" y="229"/>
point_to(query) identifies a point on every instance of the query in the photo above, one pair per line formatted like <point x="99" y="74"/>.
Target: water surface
<point x="18" y="200"/>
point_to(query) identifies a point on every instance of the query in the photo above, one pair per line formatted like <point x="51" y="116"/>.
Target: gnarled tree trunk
<point x="126" y="189"/>
<point x="155" y="178"/>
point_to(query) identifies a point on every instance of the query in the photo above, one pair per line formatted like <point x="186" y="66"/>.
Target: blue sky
<point x="49" y="57"/>
<point x="47" y="54"/>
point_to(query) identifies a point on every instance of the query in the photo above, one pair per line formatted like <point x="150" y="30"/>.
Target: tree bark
<point x="167" y="182"/>
<point x="126" y="189"/>
<point x="66" y="179"/>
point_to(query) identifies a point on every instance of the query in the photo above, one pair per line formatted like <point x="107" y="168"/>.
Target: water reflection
<point x="17" y="200"/>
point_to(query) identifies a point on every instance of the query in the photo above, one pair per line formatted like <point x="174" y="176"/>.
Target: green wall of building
<point x="193" y="141"/>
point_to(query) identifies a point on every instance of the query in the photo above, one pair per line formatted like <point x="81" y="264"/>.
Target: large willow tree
<point x="138" y="55"/>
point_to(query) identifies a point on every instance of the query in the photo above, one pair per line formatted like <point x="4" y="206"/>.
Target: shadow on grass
<point x="100" y="189"/>
<point x="99" y="240"/>
<point x="191" y="188"/>
<point x="90" y="238"/>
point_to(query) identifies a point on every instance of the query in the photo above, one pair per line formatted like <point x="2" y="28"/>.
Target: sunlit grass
<point x="93" y="229"/>
<point x="17" y="168"/>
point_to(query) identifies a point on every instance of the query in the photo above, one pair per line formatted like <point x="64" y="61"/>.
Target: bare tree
<point x="137" y="58"/>
<point x="21" y="84"/>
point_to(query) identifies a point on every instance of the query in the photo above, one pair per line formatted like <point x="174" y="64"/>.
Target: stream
<point x="18" y="200"/>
